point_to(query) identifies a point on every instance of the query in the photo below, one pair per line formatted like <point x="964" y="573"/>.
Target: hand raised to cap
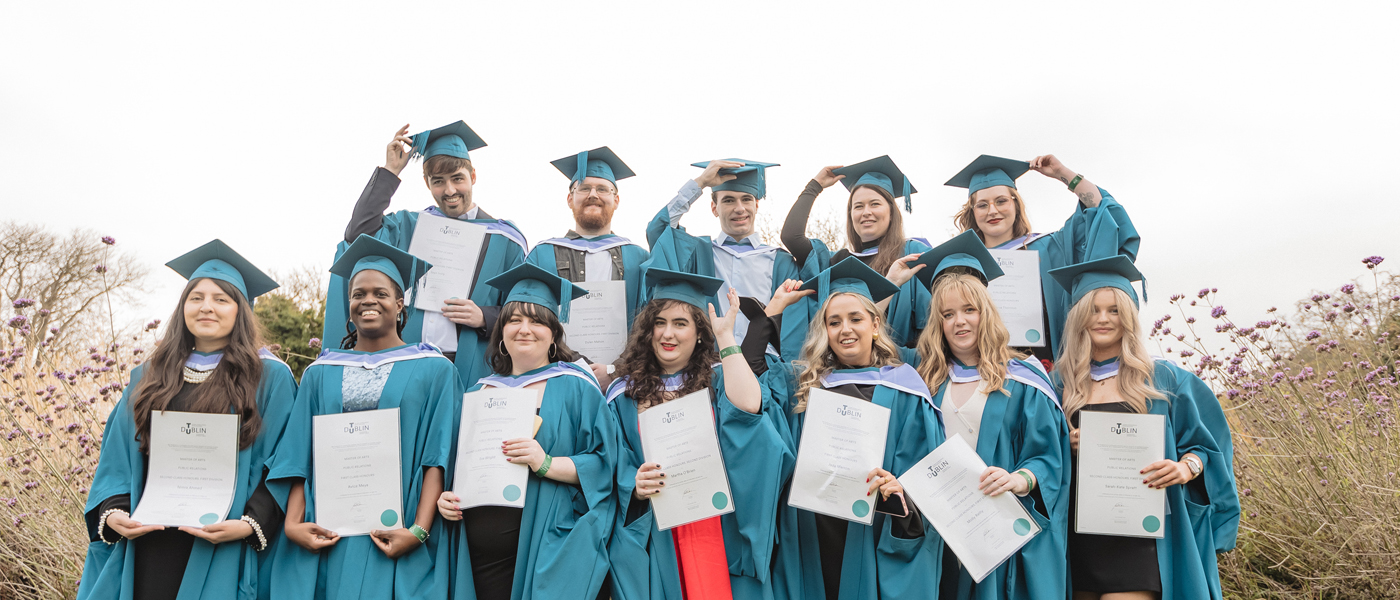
<point x="1051" y="167"/>
<point x="827" y="177"/>
<point x="398" y="151"/>
<point x="711" y="176"/>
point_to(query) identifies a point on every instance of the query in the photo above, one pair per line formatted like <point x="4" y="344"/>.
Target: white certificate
<point x="843" y="439"/>
<point x="680" y="436"/>
<point x="357" y="471"/>
<point x="982" y="530"/>
<point x="453" y="248"/>
<point x="1017" y="295"/>
<point x="483" y="476"/>
<point x="597" y="326"/>
<point x="1113" y="449"/>
<point x="192" y="474"/>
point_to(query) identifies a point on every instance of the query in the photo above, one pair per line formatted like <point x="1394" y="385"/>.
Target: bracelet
<point x="1030" y="483"/>
<point x="544" y="467"/>
<point x="102" y="526"/>
<point x="730" y="351"/>
<point x="419" y="532"/>
<point x="257" y="529"/>
<point x="1073" y="182"/>
<point x="1196" y="472"/>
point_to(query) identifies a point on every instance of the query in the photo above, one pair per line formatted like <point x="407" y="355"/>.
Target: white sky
<point x="1250" y="141"/>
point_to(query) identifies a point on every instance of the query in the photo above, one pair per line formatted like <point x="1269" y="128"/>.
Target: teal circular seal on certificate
<point x="511" y="493"/>
<point x="388" y="518"/>
<point x="1151" y="524"/>
<point x="1021" y="527"/>
<point x="209" y="519"/>
<point x="860" y="508"/>
<point x="719" y="500"/>
<point x="1032" y="335"/>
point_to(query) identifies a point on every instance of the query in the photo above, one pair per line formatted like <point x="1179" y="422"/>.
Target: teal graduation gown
<point x="228" y="571"/>
<point x="876" y="563"/>
<point x="424" y="386"/>
<point x="633" y="257"/>
<point x="504" y="250"/>
<point x="757" y="460"/>
<point x="907" y="313"/>
<point x="564" y="528"/>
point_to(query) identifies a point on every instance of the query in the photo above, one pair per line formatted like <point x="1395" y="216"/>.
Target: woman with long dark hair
<point x="678" y="347"/>
<point x="375" y="370"/>
<point x="209" y="360"/>
<point x="556" y="545"/>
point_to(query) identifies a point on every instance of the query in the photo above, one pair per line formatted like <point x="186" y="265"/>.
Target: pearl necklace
<point x="194" y="376"/>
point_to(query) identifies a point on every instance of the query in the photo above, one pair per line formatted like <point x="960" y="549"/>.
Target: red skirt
<point x="704" y="569"/>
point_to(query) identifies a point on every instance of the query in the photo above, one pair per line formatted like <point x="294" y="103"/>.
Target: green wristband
<point x="1073" y="182"/>
<point x="1030" y="483"/>
<point x="544" y="467"/>
<point x="419" y="532"/>
<point x="730" y="351"/>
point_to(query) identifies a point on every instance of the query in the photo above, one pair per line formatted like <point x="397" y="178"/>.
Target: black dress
<point x="1109" y="563"/>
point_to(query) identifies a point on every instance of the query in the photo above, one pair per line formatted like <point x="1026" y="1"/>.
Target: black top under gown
<point x="161" y="556"/>
<point x="1109" y="563"/>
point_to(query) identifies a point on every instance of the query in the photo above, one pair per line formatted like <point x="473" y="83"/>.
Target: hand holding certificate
<point x="1112" y="499"/>
<point x="483" y="476"/>
<point x="452" y="247"/>
<point x="680" y="436"/>
<point x="193" y="470"/>
<point x="357" y="471"/>
<point x="842" y="440"/>
<point x="982" y="530"/>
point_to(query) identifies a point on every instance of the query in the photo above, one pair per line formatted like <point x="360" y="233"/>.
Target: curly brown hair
<point x="643" y="371"/>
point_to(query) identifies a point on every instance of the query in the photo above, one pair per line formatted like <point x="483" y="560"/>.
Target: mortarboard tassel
<point x="566" y="296"/>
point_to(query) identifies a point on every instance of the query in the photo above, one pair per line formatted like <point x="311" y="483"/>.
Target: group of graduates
<point x="885" y="319"/>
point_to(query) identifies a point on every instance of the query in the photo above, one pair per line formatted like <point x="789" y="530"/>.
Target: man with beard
<point x="462" y="327"/>
<point x="591" y="252"/>
<point x="738" y="255"/>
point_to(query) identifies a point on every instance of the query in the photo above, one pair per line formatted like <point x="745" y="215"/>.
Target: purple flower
<point x="109" y="240"/>
<point x="1314" y="334"/>
<point x="1217" y="312"/>
<point x="1372" y="262"/>
<point x="1203" y="293"/>
<point x="18" y="321"/>
<point x="314" y="343"/>
<point x="153" y="324"/>
<point x="1348" y="288"/>
<point x="44" y="312"/>
<point x="100" y="268"/>
<point x="23" y="303"/>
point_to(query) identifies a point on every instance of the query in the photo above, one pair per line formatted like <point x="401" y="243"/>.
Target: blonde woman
<point x="849" y="352"/>
<point x="1105" y="367"/>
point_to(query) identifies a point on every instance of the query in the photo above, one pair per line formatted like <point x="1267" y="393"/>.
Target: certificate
<point x="1113" y="449"/>
<point x="483" y="476"/>
<point x="452" y="247"/>
<point x="357" y="472"/>
<point x="597" y="326"/>
<point x="680" y="436"/>
<point x="193" y="470"/>
<point x="1017" y="295"/>
<point x="982" y="530"/>
<point x="843" y="439"/>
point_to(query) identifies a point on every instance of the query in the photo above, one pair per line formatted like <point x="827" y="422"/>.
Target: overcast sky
<point x="1252" y="142"/>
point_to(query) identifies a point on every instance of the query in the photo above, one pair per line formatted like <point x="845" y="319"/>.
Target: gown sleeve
<point x="758" y="461"/>
<point x="374" y="200"/>
<point x="794" y="234"/>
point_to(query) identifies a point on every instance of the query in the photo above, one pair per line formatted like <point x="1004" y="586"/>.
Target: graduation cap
<point x="598" y="162"/>
<point x="852" y="277"/>
<point x="750" y="177"/>
<point x="882" y="173"/>
<point x="988" y="171"/>
<point x="1115" y="272"/>
<point x="369" y="253"/>
<point x="215" y="260"/>
<point x="529" y="283"/>
<point x="453" y="140"/>
<point x="689" y="288"/>
<point x="964" y="250"/>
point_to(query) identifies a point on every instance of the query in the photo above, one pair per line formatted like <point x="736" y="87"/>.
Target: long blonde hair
<point x="1021" y="225"/>
<point x="820" y="361"/>
<point x="1135" y="365"/>
<point x="993" y="339"/>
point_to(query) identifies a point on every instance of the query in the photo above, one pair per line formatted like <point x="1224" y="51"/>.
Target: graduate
<point x="1099" y="228"/>
<point x="556" y="546"/>
<point x="874" y="235"/>
<point x="1004" y="408"/>
<point x="460" y="329"/>
<point x="1104" y="366"/>
<point x="209" y="360"/>
<point x="738" y="256"/>
<point x="849" y="352"/>
<point x="374" y="370"/>
<point x="591" y="252"/>
<point x="678" y="349"/>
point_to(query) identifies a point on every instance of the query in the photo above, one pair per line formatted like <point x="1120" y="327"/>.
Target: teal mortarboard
<point x="964" y="250"/>
<point x="854" y="277"/>
<point x="455" y="139"/>
<point x="989" y="171"/>
<point x="1115" y="272"/>
<point x="751" y="178"/>
<point x="882" y="173"/>
<point x="369" y="253"/>
<point x="529" y="283"/>
<point x="689" y="288"/>
<point x="216" y="260"/>
<point x="598" y="162"/>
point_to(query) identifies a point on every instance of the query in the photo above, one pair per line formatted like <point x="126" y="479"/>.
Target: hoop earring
<point x="551" y="350"/>
<point x="503" y="348"/>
